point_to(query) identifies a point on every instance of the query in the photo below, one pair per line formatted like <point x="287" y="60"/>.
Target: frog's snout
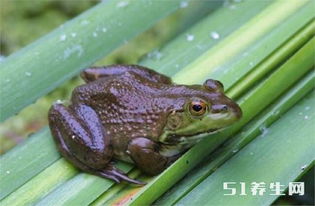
<point x="238" y="112"/>
<point x="233" y="110"/>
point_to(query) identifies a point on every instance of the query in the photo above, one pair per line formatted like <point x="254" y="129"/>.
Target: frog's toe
<point x="117" y="175"/>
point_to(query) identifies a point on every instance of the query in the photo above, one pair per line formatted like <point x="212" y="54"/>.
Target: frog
<point x="137" y="115"/>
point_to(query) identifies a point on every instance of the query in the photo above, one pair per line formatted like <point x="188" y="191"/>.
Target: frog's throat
<point x="183" y="143"/>
<point x="171" y="138"/>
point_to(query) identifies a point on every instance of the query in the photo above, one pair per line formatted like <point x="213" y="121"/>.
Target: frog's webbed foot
<point x="79" y="135"/>
<point x="117" y="175"/>
<point x="94" y="73"/>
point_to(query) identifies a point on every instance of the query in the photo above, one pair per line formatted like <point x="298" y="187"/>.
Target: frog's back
<point x="129" y="106"/>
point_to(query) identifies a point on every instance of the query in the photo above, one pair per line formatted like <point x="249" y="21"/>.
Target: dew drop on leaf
<point x="190" y="37"/>
<point x="264" y="131"/>
<point x="28" y="74"/>
<point x="215" y="35"/>
<point x="122" y="4"/>
<point x="63" y="37"/>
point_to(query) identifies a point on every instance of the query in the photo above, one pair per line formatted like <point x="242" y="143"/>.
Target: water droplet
<point x="156" y="54"/>
<point x="303" y="167"/>
<point x="306" y="117"/>
<point x="104" y="29"/>
<point x="264" y="131"/>
<point x="176" y="65"/>
<point x="94" y="34"/>
<point x="74" y="49"/>
<point x="215" y="35"/>
<point x="183" y="4"/>
<point x="8" y="80"/>
<point x="307" y="108"/>
<point x="59" y="101"/>
<point x="63" y="37"/>
<point x="190" y="37"/>
<point x="8" y="172"/>
<point x="28" y="74"/>
<point x="251" y="63"/>
<point x="251" y="153"/>
<point x="235" y="150"/>
<point x="122" y="4"/>
<point x="300" y="113"/>
<point x="73" y="34"/>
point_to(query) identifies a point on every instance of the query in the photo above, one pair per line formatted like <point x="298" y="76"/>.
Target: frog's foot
<point x="117" y="175"/>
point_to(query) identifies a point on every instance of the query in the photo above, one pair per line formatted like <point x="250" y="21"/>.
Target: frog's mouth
<point x="173" y="139"/>
<point x="178" y="144"/>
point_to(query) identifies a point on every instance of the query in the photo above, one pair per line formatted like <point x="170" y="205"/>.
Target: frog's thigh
<point x="82" y="134"/>
<point x="93" y="73"/>
<point x="80" y="139"/>
<point x="145" y="154"/>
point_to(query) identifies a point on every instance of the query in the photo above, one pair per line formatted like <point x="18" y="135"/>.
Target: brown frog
<point x="135" y="114"/>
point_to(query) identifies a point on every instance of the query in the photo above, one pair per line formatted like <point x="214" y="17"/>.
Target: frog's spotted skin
<point x="134" y="114"/>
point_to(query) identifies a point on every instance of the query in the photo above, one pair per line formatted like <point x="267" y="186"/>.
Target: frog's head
<point x="206" y="110"/>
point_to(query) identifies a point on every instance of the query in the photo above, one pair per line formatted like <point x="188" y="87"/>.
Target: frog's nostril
<point x="224" y="108"/>
<point x="219" y="108"/>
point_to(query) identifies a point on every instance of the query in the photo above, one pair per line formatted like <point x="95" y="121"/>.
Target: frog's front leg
<point x="82" y="140"/>
<point x="93" y="73"/>
<point x="145" y="153"/>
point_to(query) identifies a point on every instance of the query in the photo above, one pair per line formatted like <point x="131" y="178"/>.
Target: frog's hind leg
<point x="86" y="149"/>
<point x="94" y="73"/>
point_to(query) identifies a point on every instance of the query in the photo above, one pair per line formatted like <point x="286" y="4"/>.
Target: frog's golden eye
<point x="197" y="107"/>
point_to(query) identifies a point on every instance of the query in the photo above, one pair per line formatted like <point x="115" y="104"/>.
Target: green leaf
<point x="231" y="147"/>
<point x="26" y="160"/>
<point x="274" y="157"/>
<point x="42" y="66"/>
<point x="298" y="65"/>
<point x="180" y="52"/>
<point x="271" y="27"/>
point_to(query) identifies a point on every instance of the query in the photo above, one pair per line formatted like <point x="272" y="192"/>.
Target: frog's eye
<point x="197" y="107"/>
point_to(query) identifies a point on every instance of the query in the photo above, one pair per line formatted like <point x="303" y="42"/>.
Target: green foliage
<point x="268" y="45"/>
